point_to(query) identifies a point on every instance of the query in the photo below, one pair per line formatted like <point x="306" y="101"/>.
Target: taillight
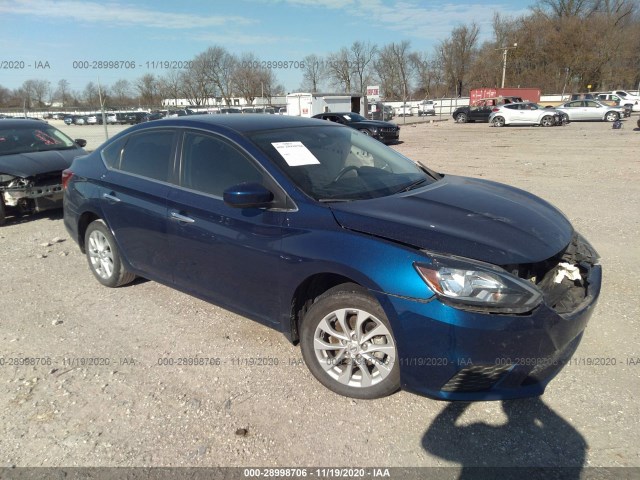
<point x="495" y="109"/>
<point x="66" y="176"/>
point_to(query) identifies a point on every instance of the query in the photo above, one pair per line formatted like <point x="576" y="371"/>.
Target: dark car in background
<point x="388" y="274"/>
<point x="481" y="109"/>
<point x="133" y="118"/>
<point x="386" y="132"/>
<point x="33" y="155"/>
<point x="153" y="116"/>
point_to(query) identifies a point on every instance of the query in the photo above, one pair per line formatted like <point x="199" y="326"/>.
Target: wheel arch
<point x="83" y="223"/>
<point x="307" y="292"/>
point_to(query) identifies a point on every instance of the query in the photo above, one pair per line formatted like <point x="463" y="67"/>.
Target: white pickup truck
<point x="628" y="99"/>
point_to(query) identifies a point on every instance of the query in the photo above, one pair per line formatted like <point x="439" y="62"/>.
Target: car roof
<point x="22" y="122"/>
<point x="241" y="123"/>
<point x="336" y="113"/>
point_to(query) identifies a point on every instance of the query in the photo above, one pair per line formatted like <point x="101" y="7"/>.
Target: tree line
<point x="559" y="46"/>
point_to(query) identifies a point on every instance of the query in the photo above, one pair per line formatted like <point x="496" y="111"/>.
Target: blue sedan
<point x="389" y="275"/>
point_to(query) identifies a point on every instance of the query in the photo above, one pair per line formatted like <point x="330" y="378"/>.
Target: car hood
<point x="472" y="218"/>
<point x="374" y="123"/>
<point x="34" y="163"/>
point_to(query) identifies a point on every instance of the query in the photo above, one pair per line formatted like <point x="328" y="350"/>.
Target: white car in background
<point x="524" y="113"/>
<point x="591" y="110"/>
<point x="427" y="107"/>
<point x="404" y="111"/>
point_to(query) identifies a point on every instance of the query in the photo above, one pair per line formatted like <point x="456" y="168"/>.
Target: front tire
<point x="103" y="256"/>
<point x="366" y="132"/>
<point x="547" y="121"/>
<point x="611" y="116"/>
<point x="347" y="344"/>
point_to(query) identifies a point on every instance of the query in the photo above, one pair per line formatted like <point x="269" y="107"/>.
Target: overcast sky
<point x="41" y="39"/>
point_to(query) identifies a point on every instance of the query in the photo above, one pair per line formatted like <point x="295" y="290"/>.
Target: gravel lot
<point x="131" y="411"/>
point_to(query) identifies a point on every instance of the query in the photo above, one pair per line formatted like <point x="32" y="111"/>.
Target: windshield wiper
<point x="412" y="185"/>
<point x="330" y="200"/>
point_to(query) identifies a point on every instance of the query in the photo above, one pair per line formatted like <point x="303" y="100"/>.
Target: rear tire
<point x="462" y="118"/>
<point x="3" y="217"/>
<point x="103" y="256"/>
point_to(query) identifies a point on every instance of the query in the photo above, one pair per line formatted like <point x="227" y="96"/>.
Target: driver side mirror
<point x="81" y="142"/>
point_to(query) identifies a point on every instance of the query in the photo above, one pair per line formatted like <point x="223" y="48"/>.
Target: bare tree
<point x="121" y="92"/>
<point x="218" y="67"/>
<point x="62" y="92"/>
<point x="196" y="82"/>
<point x="313" y="73"/>
<point x="456" y="55"/>
<point x="171" y="85"/>
<point x="90" y="95"/>
<point x="41" y="89"/>
<point x="147" y="87"/>
<point x="339" y="69"/>
<point x="567" y="8"/>
<point x="361" y="58"/>
<point x="250" y="77"/>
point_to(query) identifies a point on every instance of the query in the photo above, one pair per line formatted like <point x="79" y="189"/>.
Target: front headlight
<point x="472" y="285"/>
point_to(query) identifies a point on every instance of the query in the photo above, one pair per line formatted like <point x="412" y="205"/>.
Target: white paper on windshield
<point x="295" y="154"/>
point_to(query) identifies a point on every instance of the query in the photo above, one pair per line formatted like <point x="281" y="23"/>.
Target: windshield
<point x="29" y="139"/>
<point x="354" y="117"/>
<point x="332" y="163"/>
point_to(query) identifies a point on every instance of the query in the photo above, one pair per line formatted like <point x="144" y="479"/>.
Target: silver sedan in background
<point x="591" y="110"/>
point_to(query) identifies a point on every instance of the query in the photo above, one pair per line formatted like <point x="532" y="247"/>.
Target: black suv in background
<point x="386" y="132"/>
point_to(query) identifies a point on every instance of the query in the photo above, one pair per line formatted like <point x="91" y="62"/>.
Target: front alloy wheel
<point x="461" y="118"/>
<point x="611" y="116"/>
<point x="348" y="345"/>
<point x="547" y="121"/>
<point x="103" y="257"/>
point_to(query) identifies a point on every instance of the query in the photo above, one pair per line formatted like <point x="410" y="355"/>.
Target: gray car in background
<point x="578" y="110"/>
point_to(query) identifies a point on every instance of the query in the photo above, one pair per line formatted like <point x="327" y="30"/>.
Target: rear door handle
<point x="111" y="198"/>
<point x="180" y="218"/>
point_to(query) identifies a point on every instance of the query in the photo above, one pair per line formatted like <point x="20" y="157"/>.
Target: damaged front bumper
<point x="26" y="198"/>
<point x="453" y="354"/>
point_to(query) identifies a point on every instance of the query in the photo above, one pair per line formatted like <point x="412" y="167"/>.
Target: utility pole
<point x="504" y="60"/>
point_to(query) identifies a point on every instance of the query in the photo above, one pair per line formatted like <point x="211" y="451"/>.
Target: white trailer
<point x="310" y="104"/>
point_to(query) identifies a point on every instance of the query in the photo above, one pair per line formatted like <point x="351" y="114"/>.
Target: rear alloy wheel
<point x="103" y="257"/>
<point x="347" y="344"/>
<point x="498" y="122"/>
<point x="547" y="121"/>
<point x="461" y="118"/>
<point x="611" y="116"/>
<point x="565" y="119"/>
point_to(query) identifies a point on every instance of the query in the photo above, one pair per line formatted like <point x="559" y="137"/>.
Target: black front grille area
<point x="389" y="129"/>
<point x="476" y="378"/>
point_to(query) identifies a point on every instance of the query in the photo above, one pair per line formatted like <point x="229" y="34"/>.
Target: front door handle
<point x="111" y="198"/>
<point x="180" y="218"/>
